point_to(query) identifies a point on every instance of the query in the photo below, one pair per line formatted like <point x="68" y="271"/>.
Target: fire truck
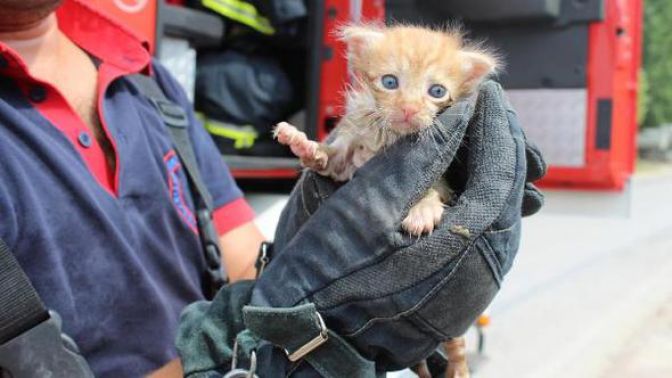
<point x="571" y="71"/>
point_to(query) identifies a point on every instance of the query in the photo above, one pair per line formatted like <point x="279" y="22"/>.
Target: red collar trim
<point x="98" y="35"/>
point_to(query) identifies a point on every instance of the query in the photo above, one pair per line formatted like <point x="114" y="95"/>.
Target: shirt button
<point x="84" y="139"/>
<point x="37" y="93"/>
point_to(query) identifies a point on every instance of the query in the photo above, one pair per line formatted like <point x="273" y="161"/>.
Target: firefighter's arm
<point x="240" y="247"/>
<point x="239" y="237"/>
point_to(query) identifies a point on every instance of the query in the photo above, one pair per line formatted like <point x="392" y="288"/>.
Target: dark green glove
<point x="208" y="329"/>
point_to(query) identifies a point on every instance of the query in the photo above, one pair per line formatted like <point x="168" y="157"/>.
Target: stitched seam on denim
<point x="418" y="304"/>
<point x="427" y="324"/>
<point x="492" y="232"/>
<point x="516" y="177"/>
<point x="270" y="314"/>
<point x="497" y="268"/>
<point x="304" y="202"/>
<point x="458" y="256"/>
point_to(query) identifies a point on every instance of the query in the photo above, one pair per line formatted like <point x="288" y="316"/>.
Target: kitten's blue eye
<point x="390" y="81"/>
<point x="437" y="91"/>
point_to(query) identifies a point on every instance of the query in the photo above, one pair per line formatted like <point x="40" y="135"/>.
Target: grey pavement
<point x="648" y="353"/>
<point x="584" y="286"/>
<point x="590" y="292"/>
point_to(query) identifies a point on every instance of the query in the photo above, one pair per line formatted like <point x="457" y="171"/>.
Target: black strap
<point x="20" y="306"/>
<point x="177" y="124"/>
<point x="31" y="340"/>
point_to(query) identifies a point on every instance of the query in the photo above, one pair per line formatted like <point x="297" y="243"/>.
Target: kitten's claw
<point x="424" y="216"/>
<point x="310" y="152"/>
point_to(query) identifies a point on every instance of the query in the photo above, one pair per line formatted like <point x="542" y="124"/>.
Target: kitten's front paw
<point x="456" y="352"/>
<point x="310" y="152"/>
<point x="424" y="216"/>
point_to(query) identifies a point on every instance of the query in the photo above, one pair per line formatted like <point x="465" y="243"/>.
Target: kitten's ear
<point x="476" y="66"/>
<point x="359" y="37"/>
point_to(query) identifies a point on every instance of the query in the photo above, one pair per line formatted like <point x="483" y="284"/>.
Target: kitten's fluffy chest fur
<point x="359" y="135"/>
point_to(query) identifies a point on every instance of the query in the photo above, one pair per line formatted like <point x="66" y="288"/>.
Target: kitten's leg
<point x="426" y="214"/>
<point x="333" y="160"/>
<point x="340" y="165"/>
<point x="456" y="352"/>
<point x="421" y="370"/>
<point x="445" y="192"/>
<point x="313" y="155"/>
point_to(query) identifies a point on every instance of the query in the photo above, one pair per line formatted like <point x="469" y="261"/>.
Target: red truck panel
<point x="614" y="60"/>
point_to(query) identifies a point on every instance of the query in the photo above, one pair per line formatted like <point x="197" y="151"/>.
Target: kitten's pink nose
<point x="410" y="111"/>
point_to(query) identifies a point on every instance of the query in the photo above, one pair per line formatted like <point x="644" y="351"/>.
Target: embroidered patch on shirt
<point x="173" y="166"/>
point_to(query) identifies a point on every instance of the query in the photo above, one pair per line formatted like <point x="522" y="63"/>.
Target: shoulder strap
<point x="31" y="341"/>
<point x="177" y="123"/>
<point x="20" y="306"/>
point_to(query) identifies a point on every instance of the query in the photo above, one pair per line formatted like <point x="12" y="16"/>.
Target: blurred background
<point x="590" y="293"/>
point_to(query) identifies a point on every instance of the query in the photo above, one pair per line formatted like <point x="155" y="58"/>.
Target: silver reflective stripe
<point x="556" y="121"/>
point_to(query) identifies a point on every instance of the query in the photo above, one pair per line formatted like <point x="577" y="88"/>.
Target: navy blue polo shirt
<point x="115" y="252"/>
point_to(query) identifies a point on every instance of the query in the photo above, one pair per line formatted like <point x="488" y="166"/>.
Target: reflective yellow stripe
<point x="243" y="12"/>
<point x="243" y="137"/>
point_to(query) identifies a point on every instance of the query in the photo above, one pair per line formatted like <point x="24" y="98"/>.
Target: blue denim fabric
<point x="392" y="297"/>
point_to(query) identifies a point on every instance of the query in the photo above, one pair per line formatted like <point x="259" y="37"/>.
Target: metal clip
<point x="242" y="373"/>
<point x="311" y="345"/>
<point x="263" y="258"/>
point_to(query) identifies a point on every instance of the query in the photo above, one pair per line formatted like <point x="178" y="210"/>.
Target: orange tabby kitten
<point x="403" y="76"/>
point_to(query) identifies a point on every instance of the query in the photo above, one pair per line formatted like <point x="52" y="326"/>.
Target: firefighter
<point x="98" y="210"/>
<point x="94" y="201"/>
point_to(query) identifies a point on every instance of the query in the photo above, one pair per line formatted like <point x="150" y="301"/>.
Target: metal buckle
<point x="242" y="373"/>
<point x="311" y="345"/>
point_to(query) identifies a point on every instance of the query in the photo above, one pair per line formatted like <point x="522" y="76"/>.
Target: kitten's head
<point x="412" y="73"/>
